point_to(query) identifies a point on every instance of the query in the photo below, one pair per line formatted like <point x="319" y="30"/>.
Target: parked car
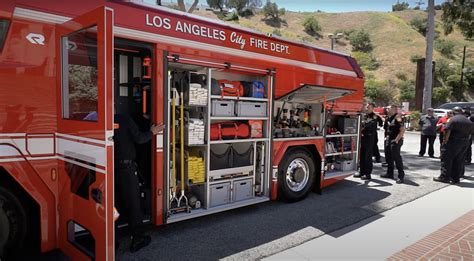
<point x="443" y="109"/>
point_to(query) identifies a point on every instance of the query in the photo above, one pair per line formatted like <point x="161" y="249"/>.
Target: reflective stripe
<point x="86" y="152"/>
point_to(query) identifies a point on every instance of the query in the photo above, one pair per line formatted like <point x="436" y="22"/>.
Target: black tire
<point x="296" y="182"/>
<point x="13" y="223"/>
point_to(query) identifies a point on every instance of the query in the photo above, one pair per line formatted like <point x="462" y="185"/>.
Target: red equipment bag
<point x="215" y="131"/>
<point x="229" y="131"/>
<point x="231" y="88"/>
<point x="256" y="129"/>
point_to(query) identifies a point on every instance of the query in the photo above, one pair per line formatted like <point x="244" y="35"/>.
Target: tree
<point x="270" y="10"/>
<point x="360" y="41"/>
<point x="239" y="5"/>
<point x="400" y="6"/>
<point x="311" y="26"/>
<point x="217" y="4"/>
<point x="253" y="4"/>
<point x="182" y="6"/>
<point x="460" y="13"/>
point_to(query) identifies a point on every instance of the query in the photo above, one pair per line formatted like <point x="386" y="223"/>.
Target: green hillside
<point x="395" y="41"/>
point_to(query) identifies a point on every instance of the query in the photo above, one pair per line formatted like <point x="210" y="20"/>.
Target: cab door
<point x="84" y="140"/>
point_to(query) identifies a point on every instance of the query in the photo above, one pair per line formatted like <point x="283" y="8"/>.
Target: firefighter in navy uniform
<point x="470" y="116"/>
<point x="393" y="143"/>
<point x="127" y="188"/>
<point x="369" y="134"/>
<point x="458" y="132"/>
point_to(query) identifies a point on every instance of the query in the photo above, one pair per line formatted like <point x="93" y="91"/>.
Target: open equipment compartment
<point x="307" y="113"/>
<point x="342" y="142"/>
<point x="226" y="148"/>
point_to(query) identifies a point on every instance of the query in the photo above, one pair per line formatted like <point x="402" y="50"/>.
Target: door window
<point x="79" y="75"/>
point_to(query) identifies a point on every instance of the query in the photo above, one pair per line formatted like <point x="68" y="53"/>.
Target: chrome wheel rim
<point x="297" y="175"/>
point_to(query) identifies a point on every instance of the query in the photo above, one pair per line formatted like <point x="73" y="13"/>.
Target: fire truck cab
<point x="249" y="118"/>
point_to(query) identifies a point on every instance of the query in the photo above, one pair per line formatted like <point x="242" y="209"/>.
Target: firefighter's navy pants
<point x="127" y="194"/>
<point x="453" y="157"/>
<point x="392" y="155"/>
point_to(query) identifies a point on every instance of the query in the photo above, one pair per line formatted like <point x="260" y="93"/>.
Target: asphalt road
<point x="261" y="230"/>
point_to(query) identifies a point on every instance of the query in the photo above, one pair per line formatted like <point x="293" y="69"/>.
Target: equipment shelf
<point x="218" y="97"/>
<point x="236" y="141"/>
<point x="216" y="118"/>
<point x="220" y="172"/>
<point x="340" y="153"/>
<point x="334" y="174"/>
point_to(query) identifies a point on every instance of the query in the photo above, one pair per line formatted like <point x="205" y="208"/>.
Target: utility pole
<point x="428" y="86"/>
<point x="462" y="68"/>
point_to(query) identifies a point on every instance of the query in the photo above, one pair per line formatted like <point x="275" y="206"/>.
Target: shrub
<point x="407" y="91"/>
<point x="276" y="32"/>
<point x="379" y="91"/>
<point x="345" y="32"/>
<point x="311" y="26"/>
<point x="401" y="76"/>
<point x="420" y="24"/>
<point x="440" y="95"/>
<point x="360" y="41"/>
<point x="445" y="47"/>
<point x="366" y="60"/>
<point x="232" y="16"/>
<point x="270" y="10"/>
<point x="308" y="39"/>
<point x="443" y="70"/>
<point x="400" y="6"/>
<point x="454" y="81"/>
<point x="415" y="57"/>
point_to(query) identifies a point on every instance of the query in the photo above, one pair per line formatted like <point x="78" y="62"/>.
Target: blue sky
<point x="331" y="6"/>
<point x="336" y="6"/>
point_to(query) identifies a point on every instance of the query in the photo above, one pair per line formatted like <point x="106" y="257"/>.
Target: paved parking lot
<point x="265" y="229"/>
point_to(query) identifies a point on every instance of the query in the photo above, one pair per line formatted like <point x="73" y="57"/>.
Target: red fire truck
<point x="249" y="118"/>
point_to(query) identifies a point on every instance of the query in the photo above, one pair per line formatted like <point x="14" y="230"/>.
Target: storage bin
<point x="243" y="189"/>
<point x="251" y="109"/>
<point x="219" y="194"/>
<point x="344" y="165"/>
<point x="222" y="108"/>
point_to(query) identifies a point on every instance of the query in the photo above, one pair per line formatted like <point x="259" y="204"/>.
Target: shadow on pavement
<point x="220" y="235"/>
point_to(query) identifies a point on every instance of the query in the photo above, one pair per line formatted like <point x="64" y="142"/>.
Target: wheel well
<point x="31" y="207"/>
<point x="317" y="162"/>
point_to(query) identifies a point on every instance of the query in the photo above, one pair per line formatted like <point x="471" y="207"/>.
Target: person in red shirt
<point x="441" y="124"/>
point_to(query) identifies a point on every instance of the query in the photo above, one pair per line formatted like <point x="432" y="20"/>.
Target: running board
<point x="203" y="212"/>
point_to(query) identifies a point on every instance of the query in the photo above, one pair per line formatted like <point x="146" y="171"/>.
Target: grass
<point x="394" y="40"/>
